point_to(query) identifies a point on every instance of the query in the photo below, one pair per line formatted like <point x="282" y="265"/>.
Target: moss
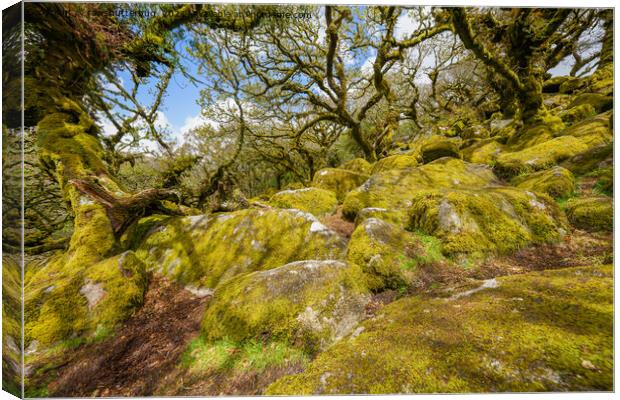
<point x="483" y="152"/>
<point x="339" y="181"/>
<point x="543" y="331"/>
<point x="389" y="255"/>
<point x="594" y="131"/>
<point x="358" y="165"/>
<point x="556" y="182"/>
<point x="439" y="146"/>
<point x="392" y="189"/>
<point x="491" y="220"/>
<point x="539" y="156"/>
<point x="536" y="133"/>
<point x="591" y="213"/>
<point x="398" y="161"/>
<point x="577" y="113"/>
<point x="552" y="85"/>
<point x="591" y="159"/>
<point x="605" y="181"/>
<point x="202" y="250"/>
<point x="599" y="102"/>
<point x="309" y="304"/>
<point x="318" y="202"/>
<point x="57" y="304"/>
<point x="11" y="324"/>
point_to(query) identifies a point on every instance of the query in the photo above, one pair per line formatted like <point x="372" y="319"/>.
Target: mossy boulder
<point x="338" y="180"/>
<point x="577" y="113"/>
<point x="483" y="152"/>
<point x="591" y="213"/>
<point x="389" y="255"/>
<point x="63" y="302"/>
<point x="11" y="324"/>
<point x="597" y="101"/>
<point x="358" y="165"/>
<point x="595" y="157"/>
<point x="203" y="250"/>
<point x="489" y="220"/>
<point x="439" y="146"/>
<point x="556" y="182"/>
<point x="552" y="85"/>
<point x="539" y="156"/>
<point x="542" y="331"/>
<point x="316" y="201"/>
<point x="537" y="133"/>
<point x="310" y="303"/>
<point x="594" y="131"/>
<point x="398" y="161"/>
<point x="393" y="189"/>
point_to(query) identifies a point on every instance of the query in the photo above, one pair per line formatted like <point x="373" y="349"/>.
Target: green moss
<point x="556" y="182"/>
<point x="605" y="182"/>
<point x="591" y="213"/>
<point x="483" y="152"/>
<point x="339" y="181"/>
<point x="491" y="220"/>
<point x="11" y="324"/>
<point x="318" y="202"/>
<point x="389" y="255"/>
<point x="57" y="303"/>
<point x="439" y="146"/>
<point x="393" y="189"/>
<point x="539" y="156"/>
<point x="577" y="113"/>
<point x="358" y="165"/>
<point x="536" y="133"/>
<point x="594" y="131"/>
<point x="309" y="304"/>
<point x="544" y="331"/>
<point x="591" y="159"/>
<point x="398" y="161"/>
<point x="203" y="250"/>
<point x="597" y="101"/>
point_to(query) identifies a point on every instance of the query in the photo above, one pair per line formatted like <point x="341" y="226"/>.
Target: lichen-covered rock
<point x="61" y="302"/>
<point x="358" y="165"/>
<point x="490" y="220"/>
<point x="591" y="213"/>
<point x="543" y="331"/>
<point x="556" y="182"/>
<point x="339" y="181"/>
<point x="539" y="156"/>
<point x="393" y="189"/>
<point x="316" y="201"/>
<point x="203" y="250"/>
<point x="309" y="303"/>
<point x="439" y="146"/>
<point x="398" y="161"/>
<point x="389" y="255"/>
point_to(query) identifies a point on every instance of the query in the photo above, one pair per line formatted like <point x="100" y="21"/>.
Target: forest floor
<point x="146" y="348"/>
<point x="143" y="358"/>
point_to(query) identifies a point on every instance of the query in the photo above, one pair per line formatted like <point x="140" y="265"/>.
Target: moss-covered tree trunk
<point x="607" y="51"/>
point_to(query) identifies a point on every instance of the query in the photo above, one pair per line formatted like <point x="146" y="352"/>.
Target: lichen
<point x="318" y="202"/>
<point x="543" y="331"/>
<point x="556" y="182"/>
<point x="309" y="304"/>
<point x="591" y="213"/>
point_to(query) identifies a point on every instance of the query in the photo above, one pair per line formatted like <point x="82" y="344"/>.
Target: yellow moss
<point x="543" y="331"/>
<point x="398" y="161"/>
<point x="594" y="131"/>
<point x="390" y="256"/>
<point x="483" y="152"/>
<point x="309" y="304"/>
<point x="203" y="250"/>
<point x="540" y="156"/>
<point x="393" y="189"/>
<point x="439" y="146"/>
<point x="339" y="181"/>
<point x="597" y="101"/>
<point x="556" y="182"/>
<point x="358" y="165"/>
<point x="313" y="200"/>
<point x="591" y="213"/>
<point x="478" y="221"/>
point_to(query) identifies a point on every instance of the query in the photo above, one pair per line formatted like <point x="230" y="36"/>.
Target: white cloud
<point x="405" y="26"/>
